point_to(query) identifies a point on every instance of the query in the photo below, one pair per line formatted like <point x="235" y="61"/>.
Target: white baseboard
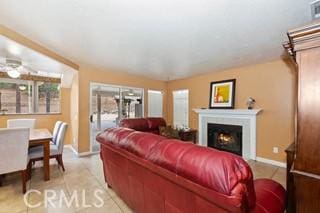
<point x="82" y="154"/>
<point x="272" y="162"/>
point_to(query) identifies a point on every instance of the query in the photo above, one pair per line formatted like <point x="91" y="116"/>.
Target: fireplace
<point x="225" y="137"/>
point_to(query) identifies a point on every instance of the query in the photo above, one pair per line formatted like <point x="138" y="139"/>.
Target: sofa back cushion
<point x="155" y="123"/>
<point x="140" y="143"/>
<point x="114" y="135"/>
<point x="139" y="124"/>
<point x="143" y="124"/>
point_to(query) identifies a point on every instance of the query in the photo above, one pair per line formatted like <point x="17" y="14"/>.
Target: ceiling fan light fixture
<point x="13" y="73"/>
<point x="22" y="87"/>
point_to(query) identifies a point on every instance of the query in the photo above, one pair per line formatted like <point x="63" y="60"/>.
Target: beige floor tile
<point x="123" y="206"/>
<point x="13" y="204"/>
<point x="53" y="190"/>
<point x="91" y="198"/>
<point x="280" y="176"/>
<point x="109" y="207"/>
<point x="82" y="183"/>
<point x="55" y="207"/>
<point x="262" y="170"/>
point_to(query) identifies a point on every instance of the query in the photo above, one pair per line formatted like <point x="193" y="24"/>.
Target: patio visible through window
<point x="23" y="96"/>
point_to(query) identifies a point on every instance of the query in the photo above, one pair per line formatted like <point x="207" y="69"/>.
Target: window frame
<point x="34" y="97"/>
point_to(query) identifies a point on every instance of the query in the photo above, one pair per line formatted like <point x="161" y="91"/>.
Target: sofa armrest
<point x="270" y="196"/>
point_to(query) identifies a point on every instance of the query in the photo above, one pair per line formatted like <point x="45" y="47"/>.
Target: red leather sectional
<point x="154" y="174"/>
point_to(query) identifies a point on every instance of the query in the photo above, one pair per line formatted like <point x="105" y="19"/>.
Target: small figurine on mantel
<point x="250" y="103"/>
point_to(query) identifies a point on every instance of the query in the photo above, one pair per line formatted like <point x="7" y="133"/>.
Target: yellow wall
<point x="89" y="74"/>
<point x="47" y="121"/>
<point x="271" y="84"/>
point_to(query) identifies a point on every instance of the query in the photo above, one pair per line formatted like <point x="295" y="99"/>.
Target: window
<point x="28" y="96"/>
<point x="155" y="99"/>
<point x="48" y="97"/>
<point x="181" y="108"/>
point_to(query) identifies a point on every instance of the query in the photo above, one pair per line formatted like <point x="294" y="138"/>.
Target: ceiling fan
<point x="14" y="68"/>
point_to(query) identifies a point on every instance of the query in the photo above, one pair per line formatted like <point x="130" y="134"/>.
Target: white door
<point x="155" y="103"/>
<point x="181" y="108"/>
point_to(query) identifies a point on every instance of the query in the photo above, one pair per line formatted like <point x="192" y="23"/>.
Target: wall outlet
<point x="275" y="149"/>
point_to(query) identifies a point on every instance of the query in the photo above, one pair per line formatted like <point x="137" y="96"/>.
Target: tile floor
<point x="83" y="173"/>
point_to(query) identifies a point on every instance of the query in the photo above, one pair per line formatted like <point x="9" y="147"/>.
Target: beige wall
<point x="47" y="121"/>
<point x="271" y="84"/>
<point x="89" y="74"/>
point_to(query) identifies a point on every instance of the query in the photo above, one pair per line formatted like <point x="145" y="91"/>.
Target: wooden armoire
<point x="303" y="157"/>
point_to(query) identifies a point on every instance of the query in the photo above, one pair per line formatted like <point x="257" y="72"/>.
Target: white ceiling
<point x="163" y="39"/>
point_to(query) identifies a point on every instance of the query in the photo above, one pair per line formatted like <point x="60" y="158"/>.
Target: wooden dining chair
<point x="14" y="145"/>
<point x="56" y="150"/>
<point x="16" y="123"/>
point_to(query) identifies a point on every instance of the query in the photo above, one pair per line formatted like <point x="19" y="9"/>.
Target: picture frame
<point x="222" y="94"/>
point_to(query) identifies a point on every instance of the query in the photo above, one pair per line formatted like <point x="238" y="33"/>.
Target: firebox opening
<point x="225" y="137"/>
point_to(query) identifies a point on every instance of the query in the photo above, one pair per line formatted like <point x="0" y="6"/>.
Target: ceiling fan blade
<point x="30" y="70"/>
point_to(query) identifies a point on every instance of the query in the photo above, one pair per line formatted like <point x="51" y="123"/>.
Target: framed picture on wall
<point x="222" y="94"/>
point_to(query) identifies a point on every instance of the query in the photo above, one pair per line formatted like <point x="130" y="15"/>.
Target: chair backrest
<point x="17" y="123"/>
<point x="14" y="144"/>
<point x="55" y="131"/>
<point x="60" y="137"/>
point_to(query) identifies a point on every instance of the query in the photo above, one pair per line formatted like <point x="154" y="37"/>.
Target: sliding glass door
<point x="109" y="104"/>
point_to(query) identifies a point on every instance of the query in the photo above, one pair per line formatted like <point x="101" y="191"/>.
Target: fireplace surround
<point x="241" y="117"/>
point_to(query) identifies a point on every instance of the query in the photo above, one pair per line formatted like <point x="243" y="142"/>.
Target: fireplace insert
<point x="225" y="137"/>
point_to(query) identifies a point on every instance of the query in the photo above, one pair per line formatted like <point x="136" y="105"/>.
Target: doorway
<point x="181" y="108"/>
<point x="109" y="104"/>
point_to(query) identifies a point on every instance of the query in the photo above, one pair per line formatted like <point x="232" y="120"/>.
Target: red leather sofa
<point x="153" y="174"/>
<point x="150" y="124"/>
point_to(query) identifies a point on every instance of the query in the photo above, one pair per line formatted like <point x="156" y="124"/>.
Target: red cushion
<point x="140" y="143"/>
<point x="270" y="196"/>
<point x="154" y="123"/>
<point x="113" y="135"/>
<point x="167" y="153"/>
<point x="139" y="124"/>
<point x="221" y="171"/>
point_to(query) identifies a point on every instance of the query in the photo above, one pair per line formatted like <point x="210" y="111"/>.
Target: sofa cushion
<point x="139" y="124"/>
<point x="217" y="170"/>
<point x="269" y="195"/>
<point x="114" y="135"/>
<point x="167" y="153"/>
<point x="220" y="171"/>
<point x="155" y="123"/>
<point x="140" y="143"/>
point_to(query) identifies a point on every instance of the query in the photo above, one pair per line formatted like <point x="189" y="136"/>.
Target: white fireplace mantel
<point x="243" y="117"/>
<point x="246" y="112"/>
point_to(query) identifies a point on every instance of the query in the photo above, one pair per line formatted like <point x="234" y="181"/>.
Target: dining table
<point x="42" y="137"/>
